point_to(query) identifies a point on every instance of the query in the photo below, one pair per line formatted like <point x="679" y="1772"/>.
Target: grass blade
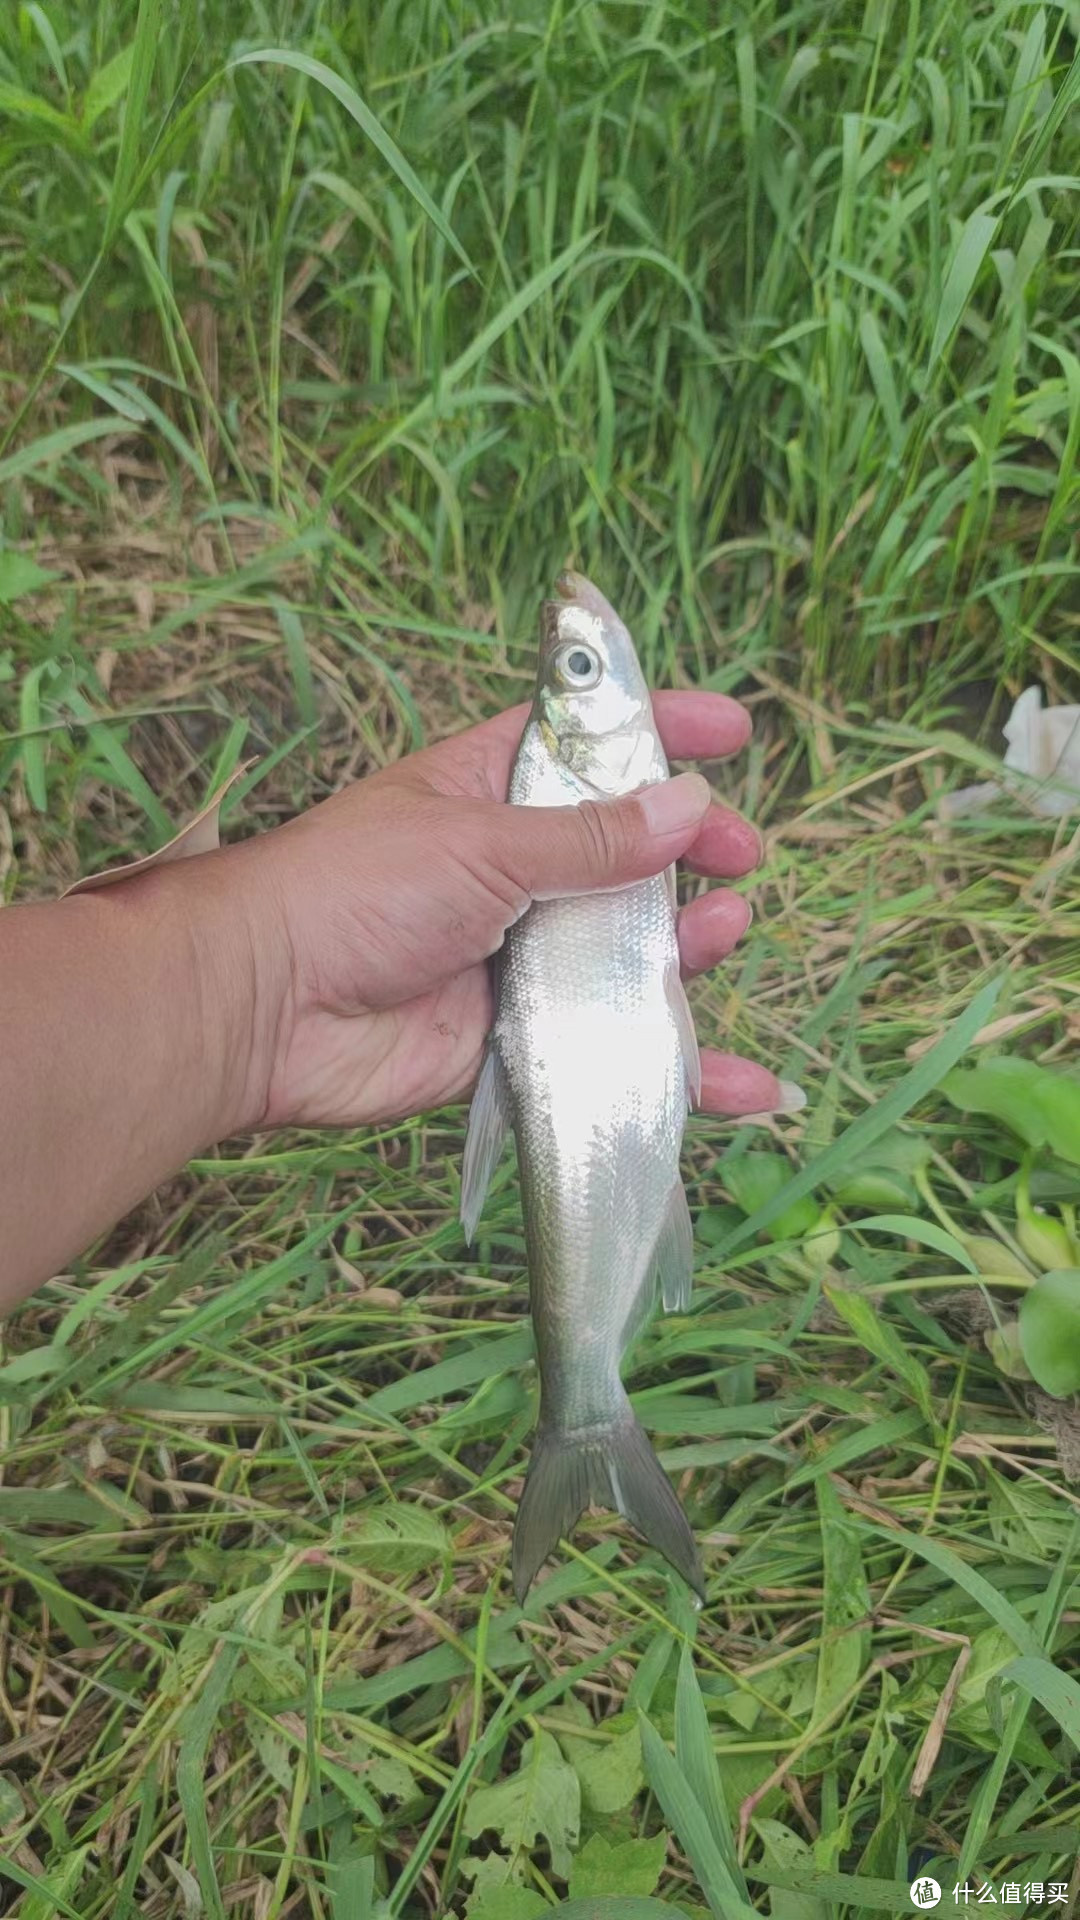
<point x="925" y="1232"/>
<point x="370" y="125"/>
<point x="845" y="1607"/>
<point x="54" y="446"/>
<point x="961" y="274"/>
<point x="687" y="1817"/>
<point x="870" y="1126"/>
<point x="1058" y="1692"/>
<point x="133" y="126"/>
<point x="694" y="1753"/>
<point x="974" y="1584"/>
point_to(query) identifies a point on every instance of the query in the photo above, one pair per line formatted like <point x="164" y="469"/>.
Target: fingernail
<point x="672" y="805"/>
<point x="792" y="1097"/>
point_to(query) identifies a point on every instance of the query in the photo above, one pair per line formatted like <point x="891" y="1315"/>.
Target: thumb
<point x="552" y="851"/>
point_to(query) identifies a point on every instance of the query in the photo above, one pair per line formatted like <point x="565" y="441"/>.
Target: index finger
<point x="700" y="726"/>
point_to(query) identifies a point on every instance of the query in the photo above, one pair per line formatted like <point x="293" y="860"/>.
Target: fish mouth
<point x="573" y="616"/>
<point x="569" y="584"/>
<point x="575" y="590"/>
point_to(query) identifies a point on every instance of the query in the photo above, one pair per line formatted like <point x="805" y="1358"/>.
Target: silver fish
<point x="593" y="1062"/>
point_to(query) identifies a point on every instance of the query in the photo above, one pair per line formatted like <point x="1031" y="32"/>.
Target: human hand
<point x="371" y="918"/>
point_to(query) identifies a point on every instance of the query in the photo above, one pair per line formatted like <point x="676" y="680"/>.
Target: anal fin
<point x="675" y="1253"/>
<point x="684" y="1022"/>
<point x="489" y="1124"/>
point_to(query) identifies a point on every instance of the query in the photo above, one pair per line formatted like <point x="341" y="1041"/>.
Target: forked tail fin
<point x="603" y="1466"/>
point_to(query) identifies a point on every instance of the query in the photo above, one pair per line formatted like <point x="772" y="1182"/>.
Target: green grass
<point x="317" y="364"/>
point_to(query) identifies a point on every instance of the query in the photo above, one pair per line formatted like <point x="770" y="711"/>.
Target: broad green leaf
<point x="1058" y="1692"/>
<point x="755" y="1179"/>
<point x="991" y="1652"/>
<point x="357" y="204"/>
<point x="499" y="1891"/>
<point x="876" y="1187"/>
<point x="508" y="1902"/>
<point x="276" y="1753"/>
<point x="386" y="1773"/>
<point x="1002" y="1343"/>
<point x="269" y="1673"/>
<point x="370" y="125"/>
<point x="713" y="1226"/>
<point x="543" y="1798"/>
<point x="1040" y="1105"/>
<point x="1050" y="1331"/>
<point x="899" y="1154"/>
<point x="353" y="1790"/>
<point x="610" y="1772"/>
<point x="617" y="1866"/>
<point x="396" y="1538"/>
<point x="992" y="1258"/>
<point x="20" y="575"/>
<point x="1043" y="1237"/>
<point x="624" y="1906"/>
<point x="40" y="117"/>
<point x="178" y="1675"/>
<point x="787" y="1851"/>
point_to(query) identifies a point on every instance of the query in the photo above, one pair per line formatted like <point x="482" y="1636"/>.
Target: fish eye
<point x="579" y="667"/>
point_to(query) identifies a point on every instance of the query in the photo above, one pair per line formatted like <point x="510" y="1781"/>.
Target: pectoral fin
<point x="675" y="1253"/>
<point x="684" y="1021"/>
<point x="489" y="1124"/>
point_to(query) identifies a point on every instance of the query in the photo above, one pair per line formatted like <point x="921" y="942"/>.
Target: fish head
<point x="592" y="701"/>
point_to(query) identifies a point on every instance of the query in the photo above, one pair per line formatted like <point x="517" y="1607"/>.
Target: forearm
<point x="127" y="1043"/>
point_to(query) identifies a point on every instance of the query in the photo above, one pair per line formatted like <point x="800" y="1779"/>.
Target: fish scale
<point x="590" y="1062"/>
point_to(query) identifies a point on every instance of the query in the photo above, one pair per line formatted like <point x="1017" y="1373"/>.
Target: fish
<point x="592" y="1063"/>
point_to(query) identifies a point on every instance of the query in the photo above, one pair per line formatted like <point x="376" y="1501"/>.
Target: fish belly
<point x="598" y="1093"/>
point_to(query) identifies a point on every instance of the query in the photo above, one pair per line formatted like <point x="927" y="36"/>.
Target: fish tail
<point x="613" y="1466"/>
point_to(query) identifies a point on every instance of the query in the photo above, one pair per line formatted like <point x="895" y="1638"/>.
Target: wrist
<point x="206" y="930"/>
